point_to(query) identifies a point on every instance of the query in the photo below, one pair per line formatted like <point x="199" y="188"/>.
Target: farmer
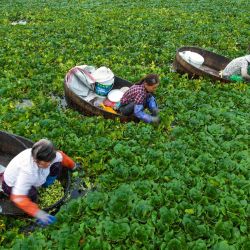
<point x="238" y="69"/>
<point x="139" y="96"/>
<point x="34" y="167"/>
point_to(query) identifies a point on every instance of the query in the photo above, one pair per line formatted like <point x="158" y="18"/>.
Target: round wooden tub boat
<point x="87" y="107"/>
<point x="10" y="146"/>
<point x="213" y="64"/>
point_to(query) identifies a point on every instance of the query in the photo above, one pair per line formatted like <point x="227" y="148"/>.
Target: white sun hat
<point x="115" y="95"/>
<point x="192" y="57"/>
<point x="103" y="74"/>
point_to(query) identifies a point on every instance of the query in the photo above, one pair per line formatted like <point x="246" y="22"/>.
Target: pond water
<point x="24" y="103"/>
<point x="62" y="104"/>
<point x="61" y="101"/>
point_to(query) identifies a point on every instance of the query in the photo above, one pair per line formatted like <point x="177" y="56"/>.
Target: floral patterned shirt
<point x="235" y="66"/>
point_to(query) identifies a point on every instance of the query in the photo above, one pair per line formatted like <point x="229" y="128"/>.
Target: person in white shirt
<point x="32" y="168"/>
<point x="238" y="69"/>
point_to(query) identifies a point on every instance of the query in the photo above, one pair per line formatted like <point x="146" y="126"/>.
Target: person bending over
<point x="238" y="69"/>
<point x="32" y="168"/>
<point x="139" y="96"/>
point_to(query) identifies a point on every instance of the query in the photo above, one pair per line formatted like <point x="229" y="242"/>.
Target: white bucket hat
<point x="248" y="58"/>
<point x="103" y="74"/>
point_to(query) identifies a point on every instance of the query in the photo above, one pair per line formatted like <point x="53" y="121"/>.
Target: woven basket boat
<point x="87" y="108"/>
<point x="213" y="64"/>
<point x="10" y="146"/>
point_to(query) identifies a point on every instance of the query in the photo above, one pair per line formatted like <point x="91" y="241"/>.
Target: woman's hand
<point x="44" y="219"/>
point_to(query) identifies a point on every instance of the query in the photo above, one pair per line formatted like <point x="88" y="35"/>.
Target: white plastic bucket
<point x="103" y="88"/>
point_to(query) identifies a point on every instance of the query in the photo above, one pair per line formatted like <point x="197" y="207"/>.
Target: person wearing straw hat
<point x="139" y="96"/>
<point x="238" y="69"/>
<point x="34" y="167"/>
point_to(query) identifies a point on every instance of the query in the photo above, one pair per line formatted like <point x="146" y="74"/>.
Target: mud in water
<point x="61" y="101"/>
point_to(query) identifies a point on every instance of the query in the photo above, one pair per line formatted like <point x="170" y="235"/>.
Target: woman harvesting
<point x="139" y="96"/>
<point x="34" y="167"/>
<point x="238" y="69"/>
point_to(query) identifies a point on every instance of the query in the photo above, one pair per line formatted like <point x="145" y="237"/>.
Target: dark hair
<point x="150" y="79"/>
<point x="43" y="150"/>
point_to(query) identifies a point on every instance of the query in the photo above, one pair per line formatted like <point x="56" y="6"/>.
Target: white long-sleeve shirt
<point x="22" y="172"/>
<point x="236" y="66"/>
